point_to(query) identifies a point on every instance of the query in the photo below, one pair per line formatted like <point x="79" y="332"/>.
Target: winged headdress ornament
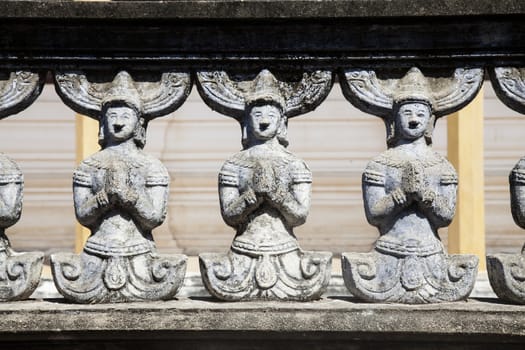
<point x="19" y="91"/>
<point x="379" y="96"/>
<point x="151" y="99"/>
<point x="509" y="85"/>
<point x="232" y="97"/>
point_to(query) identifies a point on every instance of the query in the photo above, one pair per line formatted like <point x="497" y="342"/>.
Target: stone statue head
<point x="121" y="114"/>
<point x="412" y="113"/>
<point x="410" y="120"/>
<point x="264" y="116"/>
<point x="149" y="98"/>
<point x="237" y="98"/>
<point x="264" y="120"/>
<point x="388" y="96"/>
<point x="120" y="121"/>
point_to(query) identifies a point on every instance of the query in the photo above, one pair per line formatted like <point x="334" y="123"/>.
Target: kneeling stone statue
<point x="507" y="271"/>
<point x="120" y="193"/>
<point x="409" y="191"/>
<point x="264" y="192"/>
<point x="19" y="272"/>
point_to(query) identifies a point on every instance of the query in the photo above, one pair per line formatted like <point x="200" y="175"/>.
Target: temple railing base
<point x="204" y="323"/>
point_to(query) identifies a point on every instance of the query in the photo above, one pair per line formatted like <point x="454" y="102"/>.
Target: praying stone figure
<point x="507" y="271"/>
<point x="265" y="191"/>
<point x="120" y="193"/>
<point x="409" y="191"/>
<point x="19" y="272"/>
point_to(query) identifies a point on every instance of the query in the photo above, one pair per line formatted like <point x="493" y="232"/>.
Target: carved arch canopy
<point x="156" y="95"/>
<point x="509" y="85"/>
<point x="230" y="95"/>
<point x="19" y="90"/>
<point x="376" y="95"/>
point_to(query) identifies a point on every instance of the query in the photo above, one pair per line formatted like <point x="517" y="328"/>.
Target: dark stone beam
<point x="445" y="41"/>
<point x="255" y="9"/>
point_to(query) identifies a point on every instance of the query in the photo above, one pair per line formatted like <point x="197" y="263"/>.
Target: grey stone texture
<point x="264" y="191"/>
<point x="254" y="9"/>
<point x="120" y="193"/>
<point x="19" y="272"/>
<point x="204" y="323"/>
<point x="409" y="190"/>
<point x="507" y="271"/>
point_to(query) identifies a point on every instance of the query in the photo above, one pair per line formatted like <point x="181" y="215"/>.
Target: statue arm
<point x="235" y="207"/>
<point x="294" y="203"/>
<point x="10" y="203"/>
<point x="517" y="196"/>
<point x="90" y="207"/>
<point x="439" y="205"/>
<point x="380" y="205"/>
<point x="148" y="206"/>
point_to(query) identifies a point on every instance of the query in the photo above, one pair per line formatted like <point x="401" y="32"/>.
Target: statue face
<point x="412" y="120"/>
<point x="120" y="123"/>
<point x="264" y="121"/>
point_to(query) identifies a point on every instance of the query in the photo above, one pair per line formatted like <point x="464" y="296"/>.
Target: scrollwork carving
<point x="19" y="91"/>
<point x="229" y="97"/>
<point x="509" y="85"/>
<point x="374" y="95"/>
<point x="157" y="97"/>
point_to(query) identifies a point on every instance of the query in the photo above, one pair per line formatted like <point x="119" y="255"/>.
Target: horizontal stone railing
<point x="148" y="55"/>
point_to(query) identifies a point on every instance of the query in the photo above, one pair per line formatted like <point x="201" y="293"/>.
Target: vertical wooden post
<point x="466" y="234"/>
<point x="86" y="144"/>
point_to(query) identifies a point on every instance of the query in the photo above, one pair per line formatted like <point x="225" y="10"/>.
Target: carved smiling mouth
<point x="117" y="128"/>
<point x="413" y="125"/>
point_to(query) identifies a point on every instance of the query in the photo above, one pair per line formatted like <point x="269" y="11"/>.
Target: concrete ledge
<point x="255" y="9"/>
<point x="327" y="322"/>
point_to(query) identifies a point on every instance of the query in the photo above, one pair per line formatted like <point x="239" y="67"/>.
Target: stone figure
<point x="507" y="271"/>
<point x="19" y="272"/>
<point x="120" y="194"/>
<point x="264" y="192"/>
<point x="409" y="191"/>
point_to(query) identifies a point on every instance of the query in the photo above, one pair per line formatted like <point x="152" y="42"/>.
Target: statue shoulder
<point x="9" y="171"/>
<point x="156" y="172"/>
<point x="239" y="160"/>
<point x="517" y="175"/>
<point x="229" y="173"/>
<point x="82" y="176"/>
<point x="375" y="172"/>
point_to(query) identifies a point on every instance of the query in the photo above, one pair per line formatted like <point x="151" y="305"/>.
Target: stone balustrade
<point x="125" y="63"/>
